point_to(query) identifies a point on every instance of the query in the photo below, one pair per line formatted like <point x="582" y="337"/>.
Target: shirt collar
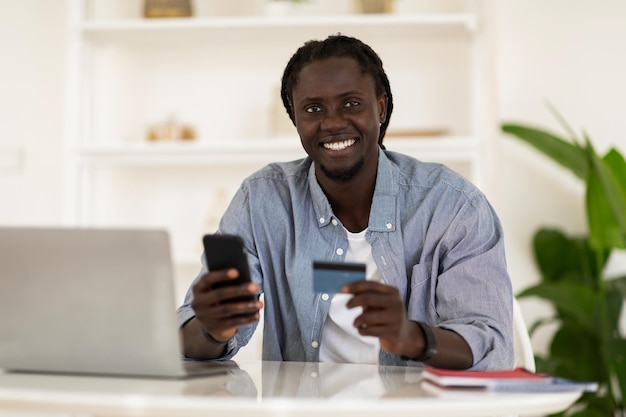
<point x="383" y="210"/>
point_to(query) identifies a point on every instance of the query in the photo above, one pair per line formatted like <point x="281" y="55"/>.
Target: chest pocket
<point x="421" y="304"/>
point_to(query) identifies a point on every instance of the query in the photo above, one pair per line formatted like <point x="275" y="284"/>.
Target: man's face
<point x="338" y="117"/>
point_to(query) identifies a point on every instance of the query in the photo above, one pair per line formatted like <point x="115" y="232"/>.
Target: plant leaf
<point x="561" y="258"/>
<point x="569" y="155"/>
<point x="617" y="284"/>
<point x="606" y="198"/>
<point x="541" y="322"/>
<point x="616" y="352"/>
<point x="589" y="413"/>
<point x="574" y="300"/>
<point x="575" y="363"/>
<point x="562" y="121"/>
<point x="595" y="405"/>
<point x="614" y="302"/>
<point x="551" y="248"/>
<point x="547" y="365"/>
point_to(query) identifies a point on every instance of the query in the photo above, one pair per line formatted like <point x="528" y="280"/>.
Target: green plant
<point x="587" y="344"/>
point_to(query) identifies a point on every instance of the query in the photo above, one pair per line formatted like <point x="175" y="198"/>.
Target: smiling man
<point x="436" y="290"/>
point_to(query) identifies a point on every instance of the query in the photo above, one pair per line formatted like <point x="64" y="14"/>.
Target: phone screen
<point x="227" y="251"/>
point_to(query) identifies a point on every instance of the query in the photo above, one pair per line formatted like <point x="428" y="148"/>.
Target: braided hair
<point x="343" y="47"/>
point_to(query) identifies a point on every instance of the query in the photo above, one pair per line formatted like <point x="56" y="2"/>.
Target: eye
<point x="352" y="103"/>
<point x="314" y="108"/>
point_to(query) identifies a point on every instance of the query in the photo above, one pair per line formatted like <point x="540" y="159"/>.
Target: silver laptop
<point x="94" y="301"/>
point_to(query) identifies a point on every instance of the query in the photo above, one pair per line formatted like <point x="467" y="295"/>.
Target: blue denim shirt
<point x="433" y="234"/>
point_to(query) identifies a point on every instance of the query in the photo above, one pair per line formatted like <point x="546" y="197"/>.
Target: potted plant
<point x="588" y="344"/>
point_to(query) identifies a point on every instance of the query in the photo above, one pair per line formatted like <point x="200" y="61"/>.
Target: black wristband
<point x="210" y="338"/>
<point x="430" y="343"/>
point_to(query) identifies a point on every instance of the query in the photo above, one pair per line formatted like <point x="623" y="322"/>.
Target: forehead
<point x="334" y="73"/>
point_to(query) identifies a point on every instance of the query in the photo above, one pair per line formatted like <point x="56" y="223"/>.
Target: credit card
<point x="329" y="277"/>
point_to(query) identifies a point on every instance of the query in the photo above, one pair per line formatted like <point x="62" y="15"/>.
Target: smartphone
<point x="227" y="251"/>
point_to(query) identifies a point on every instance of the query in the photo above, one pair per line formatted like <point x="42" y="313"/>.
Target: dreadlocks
<point x="343" y="47"/>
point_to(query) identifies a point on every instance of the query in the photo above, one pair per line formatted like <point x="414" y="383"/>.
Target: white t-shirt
<point x="341" y="341"/>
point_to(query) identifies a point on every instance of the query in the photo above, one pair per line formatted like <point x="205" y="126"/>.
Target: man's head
<point x="342" y="47"/>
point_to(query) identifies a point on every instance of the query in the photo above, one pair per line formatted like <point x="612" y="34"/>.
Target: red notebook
<point x="518" y="379"/>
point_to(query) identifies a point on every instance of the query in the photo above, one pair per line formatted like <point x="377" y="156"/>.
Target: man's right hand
<point x="218" y="313"/>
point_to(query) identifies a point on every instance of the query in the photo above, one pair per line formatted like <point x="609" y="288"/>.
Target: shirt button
<point x="325" y="297"/>
<point x="322" y="220"/>
<point x="389" y="226"/>
<point x="339" y="251"/>
<point x="314" y="344"/>
<point x="334" y="222"/>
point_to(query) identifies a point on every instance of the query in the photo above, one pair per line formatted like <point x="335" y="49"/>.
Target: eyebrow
<point x="342" y="95"/>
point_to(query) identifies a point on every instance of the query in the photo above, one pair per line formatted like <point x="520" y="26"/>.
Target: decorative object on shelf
<point x="373" y="6"/>
<point x="416" y="132"/>
<point x="283" y="7"/>
<point x="167" y="8"/>
<point x="171" y="130"/>
<point x="588" y="343"/>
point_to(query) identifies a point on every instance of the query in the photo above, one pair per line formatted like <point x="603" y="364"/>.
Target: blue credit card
<point x="329" y="277"/>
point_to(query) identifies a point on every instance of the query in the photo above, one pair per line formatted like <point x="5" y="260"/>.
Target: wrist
<point x="210" y="338"/>
<point x="429" y="345"/>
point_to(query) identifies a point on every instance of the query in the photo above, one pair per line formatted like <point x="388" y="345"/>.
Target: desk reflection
<point x="267" y="389"/>
<point x="236" y="383"/>
<point x="331" y="380"/>
<point x="310" y="380"/>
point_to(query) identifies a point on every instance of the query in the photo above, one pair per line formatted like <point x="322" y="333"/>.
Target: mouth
<point x="339" y="145"/>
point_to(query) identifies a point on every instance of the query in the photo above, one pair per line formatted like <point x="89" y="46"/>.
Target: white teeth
<point x="337" y="146"/>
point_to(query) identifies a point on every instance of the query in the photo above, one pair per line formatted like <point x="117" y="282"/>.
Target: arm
<point x="453" y="277"/>
<point x="384" y="317"/>
<point x="217" y="317"/>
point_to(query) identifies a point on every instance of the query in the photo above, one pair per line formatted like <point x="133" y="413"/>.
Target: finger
<point x="220" y="295"/>
<point x="376" y="301"/>
<point x="226" y="296"/>
<point x="368" y="286"/>
<point x="228" y="310"/>
<point x="208" y="280"/>
<point x="226" y="318"/>
<point x="378" y="318"/>
<point x="387" y="335"/>
<point x="236" y="292"/>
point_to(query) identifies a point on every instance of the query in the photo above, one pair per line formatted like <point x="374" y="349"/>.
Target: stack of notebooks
<point x="515" y="380"/>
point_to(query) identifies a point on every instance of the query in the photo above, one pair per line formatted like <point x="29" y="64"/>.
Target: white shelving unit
<point x="221" y="75"/>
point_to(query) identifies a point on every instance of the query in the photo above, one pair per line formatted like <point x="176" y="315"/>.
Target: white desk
<point x="267" y="389"/>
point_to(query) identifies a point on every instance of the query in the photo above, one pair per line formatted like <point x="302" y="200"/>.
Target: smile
<point x="338" y="146"/>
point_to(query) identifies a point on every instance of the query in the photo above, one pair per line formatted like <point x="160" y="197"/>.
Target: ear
<point x="382" y="107"/>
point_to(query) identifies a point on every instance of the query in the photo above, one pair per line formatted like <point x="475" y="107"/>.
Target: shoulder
<point x="431" y="177"/>
<point x="279" y="174"/>
<point x="282" y="171"/>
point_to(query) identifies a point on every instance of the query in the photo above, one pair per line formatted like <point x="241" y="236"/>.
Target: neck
<point x="351" y="202"/>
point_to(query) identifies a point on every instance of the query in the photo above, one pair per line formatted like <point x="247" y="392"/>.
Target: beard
<point x="343" y="174"/>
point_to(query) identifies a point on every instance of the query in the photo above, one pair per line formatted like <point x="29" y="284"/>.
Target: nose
<point x="334" y="120"/>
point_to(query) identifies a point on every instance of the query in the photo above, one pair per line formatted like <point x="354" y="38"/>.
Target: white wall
<point x="32" y="68"/>
<point x="571" y="52"/>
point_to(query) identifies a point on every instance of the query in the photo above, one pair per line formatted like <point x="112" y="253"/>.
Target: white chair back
<point x="524" y="356"/>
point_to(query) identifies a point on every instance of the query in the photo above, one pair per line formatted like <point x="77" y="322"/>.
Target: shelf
<point x="191" y="153"/>
<point x="220" y="74"/>
<point x="255" y="151"/>
<point x="437" y="24"/>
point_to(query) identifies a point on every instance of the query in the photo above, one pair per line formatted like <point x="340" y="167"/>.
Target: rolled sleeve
<point x="474" y="293"/>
